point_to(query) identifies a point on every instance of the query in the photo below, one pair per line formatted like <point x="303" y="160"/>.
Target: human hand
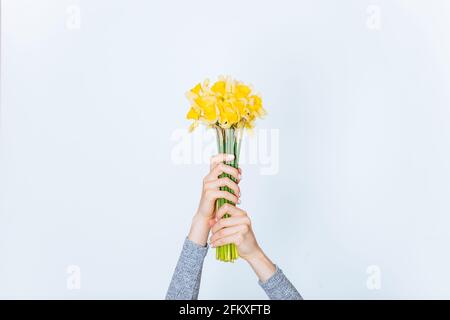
<point x="238" y="229"/>
<point x="212" y="183"/>
<point x="203" y="219"/>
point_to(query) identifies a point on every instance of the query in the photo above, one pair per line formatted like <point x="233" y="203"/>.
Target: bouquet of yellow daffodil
<point x="228" y="106"/>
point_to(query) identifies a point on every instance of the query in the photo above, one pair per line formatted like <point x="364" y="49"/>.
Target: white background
<point x="89" y="108"/>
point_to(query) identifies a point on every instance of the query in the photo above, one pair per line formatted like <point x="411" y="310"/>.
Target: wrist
<point x="261" y="264"/>
<point x="255" y="257"/>
<point x="199" y="230"/>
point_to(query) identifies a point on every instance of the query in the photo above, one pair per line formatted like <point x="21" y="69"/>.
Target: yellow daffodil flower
<point x="242" y="90"/>
<point x="193" y="114"/>
<point x="197" y="89"/>
<point x="226" y="103"/>
<point x="219" y="88"/>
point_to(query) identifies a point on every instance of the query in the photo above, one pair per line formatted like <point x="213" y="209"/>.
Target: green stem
<point x="228" y="141"/>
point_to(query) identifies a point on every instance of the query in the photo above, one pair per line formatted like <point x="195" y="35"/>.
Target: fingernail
<point x="239" y="201"/>
<point x="239" y="194"/>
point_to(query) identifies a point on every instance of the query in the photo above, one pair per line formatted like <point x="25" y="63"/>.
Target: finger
<point x="230" y="222"/>
<point x="217" y="194"/>
<point x="242" y="228"/>
<point x="222" y="168"/>
<point x="218" y="158"/>
<point x="224" y="182"/>
<point x="231" y="210"/>
<point x="234" y="238"/>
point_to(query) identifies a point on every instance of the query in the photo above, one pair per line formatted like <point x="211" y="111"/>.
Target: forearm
<point x="261" y="265"/>
<point x="186" y="279"/>
<point x="272" y="279"/>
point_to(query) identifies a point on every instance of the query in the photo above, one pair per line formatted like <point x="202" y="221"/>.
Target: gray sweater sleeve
<point x="185" y="282"/>
<point x="278" y="287"/>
